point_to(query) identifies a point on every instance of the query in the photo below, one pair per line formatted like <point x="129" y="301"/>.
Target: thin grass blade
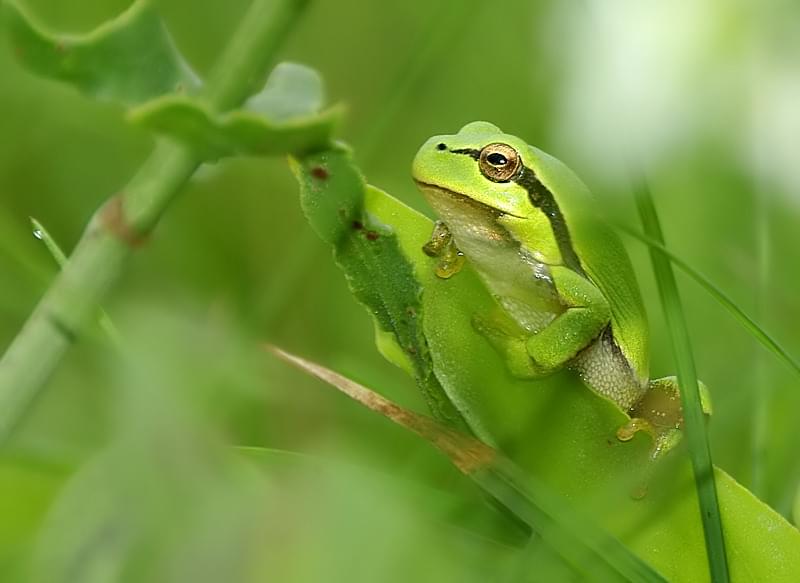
<point x="61" y="259"/>
<point x="694" y="418"/>
<point x="738" y="314"/>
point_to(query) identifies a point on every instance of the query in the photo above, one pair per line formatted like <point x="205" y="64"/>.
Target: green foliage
<point x="133" y="60"/>
<point x="124" y="471"/>
<point x="556" y="429"/>
<point x="691" y="400"/>
<point x="752" y="327"/>
<point x="129" y="59"/>
<point x="378" y="271"/>
<point x="591" y="552"/>
<point x="283" y="117"/>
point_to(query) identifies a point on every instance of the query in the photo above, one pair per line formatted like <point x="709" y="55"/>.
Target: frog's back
<point x="603" y="259"/>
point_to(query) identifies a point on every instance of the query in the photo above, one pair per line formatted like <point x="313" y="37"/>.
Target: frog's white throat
<point x="519" y="282"/>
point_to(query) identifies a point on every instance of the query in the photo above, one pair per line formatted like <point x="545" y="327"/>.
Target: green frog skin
<point x="565" y="290"/>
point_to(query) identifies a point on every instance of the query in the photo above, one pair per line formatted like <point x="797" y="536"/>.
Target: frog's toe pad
<point x="632" y="427"/>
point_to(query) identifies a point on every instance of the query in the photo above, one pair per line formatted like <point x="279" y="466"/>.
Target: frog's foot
<point x="440" y="239"/>
<point x="507" y="338"/>
<point x="659" y="414"/>
<point x="441" y="245"/>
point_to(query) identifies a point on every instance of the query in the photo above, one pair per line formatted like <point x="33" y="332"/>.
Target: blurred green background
<point x="124" y="472"/>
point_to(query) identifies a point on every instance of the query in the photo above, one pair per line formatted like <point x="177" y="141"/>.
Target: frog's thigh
<point x="586" y="315"/>
<point x="507" y="338"/>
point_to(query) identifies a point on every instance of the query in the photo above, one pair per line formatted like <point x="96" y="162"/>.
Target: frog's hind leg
<point x="659" y="414"/>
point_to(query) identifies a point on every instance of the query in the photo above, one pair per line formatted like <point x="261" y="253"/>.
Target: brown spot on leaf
<point x="320" y="173"/>
<point x="358" y="225"/>
<point x="372" y="236"/>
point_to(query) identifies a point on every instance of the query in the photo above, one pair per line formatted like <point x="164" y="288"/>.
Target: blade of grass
<point x="61" y="260"/>
<point x="694" y="418"/>
<point x="738" y="314"/>
<point x="590" y="550"/>
<point x="762" y="397"/>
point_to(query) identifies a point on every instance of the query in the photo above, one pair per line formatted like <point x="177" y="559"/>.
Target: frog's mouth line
<point x="463" y="198"/>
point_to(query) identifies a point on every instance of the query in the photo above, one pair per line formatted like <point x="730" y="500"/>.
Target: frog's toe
<point x="633" y="426"/>
<point x="450" y="264"/>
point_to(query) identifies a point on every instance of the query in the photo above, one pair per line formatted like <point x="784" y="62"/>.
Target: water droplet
<point x="38" y="234"/>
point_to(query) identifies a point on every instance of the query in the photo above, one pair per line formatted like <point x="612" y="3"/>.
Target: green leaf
<point x="284" y="117"/>
<point x="378" y="271"/>
<point x="292" y="91"/>
<point x="556" y="430"/>
<point x="129" y="59"/>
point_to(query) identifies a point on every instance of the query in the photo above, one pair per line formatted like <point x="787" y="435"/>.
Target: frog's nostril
<point x="441" y="146"/>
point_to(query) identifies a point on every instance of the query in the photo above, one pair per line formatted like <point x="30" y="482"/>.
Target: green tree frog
<point x="566" y="294"/>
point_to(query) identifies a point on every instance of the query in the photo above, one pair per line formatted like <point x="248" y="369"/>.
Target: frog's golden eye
<point x="499" y="162"/>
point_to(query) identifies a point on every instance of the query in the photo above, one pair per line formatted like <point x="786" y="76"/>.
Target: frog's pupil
<point x="496" y="159"/>
<point x="441" y="147"/>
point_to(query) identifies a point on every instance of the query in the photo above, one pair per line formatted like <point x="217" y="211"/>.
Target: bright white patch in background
<point x="632" y="72"/>
<point x="642" y="78"/>
<point x="774" y="145"/>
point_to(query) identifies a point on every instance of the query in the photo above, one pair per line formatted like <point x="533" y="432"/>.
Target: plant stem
<point x="126" y="219"/>
<point x="694" y="418"/>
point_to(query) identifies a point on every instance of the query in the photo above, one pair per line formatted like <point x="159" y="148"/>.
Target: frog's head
<point x="482" y="164"/>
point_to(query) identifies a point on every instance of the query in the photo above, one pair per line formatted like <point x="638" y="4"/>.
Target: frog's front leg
<point x="441" y="245"/>
<point x="587" y="313"/>
<point x="509" y="339"/>
<point x="536" y="355"/>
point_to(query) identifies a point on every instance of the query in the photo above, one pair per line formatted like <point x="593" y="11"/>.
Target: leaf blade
<point x="694" y="418"/>
<point x="128" y="59"/>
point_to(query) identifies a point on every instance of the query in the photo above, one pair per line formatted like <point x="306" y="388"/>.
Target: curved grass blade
<point x="694" y="420"/>
<point x="739" y="315"/>
<point x="595" y="554"/>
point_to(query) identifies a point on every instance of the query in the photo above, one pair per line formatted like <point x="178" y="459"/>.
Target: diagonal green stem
<point x="694" y="418"/>
<point x="125" y="221"/>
